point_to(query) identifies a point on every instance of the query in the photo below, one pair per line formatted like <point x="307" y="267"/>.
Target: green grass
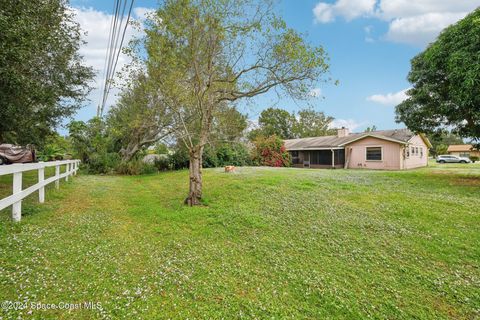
<point x="272" y="243"/>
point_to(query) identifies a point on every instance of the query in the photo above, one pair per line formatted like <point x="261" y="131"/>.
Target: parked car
<point x="448" y="158"/>
<point x="10" y="153"/>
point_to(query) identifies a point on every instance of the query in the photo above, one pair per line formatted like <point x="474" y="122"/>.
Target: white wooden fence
<point x="15" y="200"/>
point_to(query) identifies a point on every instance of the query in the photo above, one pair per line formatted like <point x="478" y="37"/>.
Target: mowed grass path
<point x="272" y="243"/>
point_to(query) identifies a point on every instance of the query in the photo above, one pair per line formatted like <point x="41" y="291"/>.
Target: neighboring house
<point x="387" y="149"/>
<point x="463" y="150"/>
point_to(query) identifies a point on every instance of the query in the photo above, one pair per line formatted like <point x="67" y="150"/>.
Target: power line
<point x="115" y="43"/>
<point x="121" y="41"/>
<point x="107" y="56"/>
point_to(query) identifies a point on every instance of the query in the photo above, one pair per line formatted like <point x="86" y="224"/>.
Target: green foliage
<point x="440" y="149"/>
<point x="445" y="79"/>
<point x="270" y="151"/>
<point x="235" y="154"/>
<point x="92" y="143"/>
<point x="42" y="78"/>
<point x="474" y="158"/>
<point x="372" y="128"/>
<point x="103" y="163"/>
<point x="442" y="140"/>
<point x="279" y="122"/>
<point x="56" y="147"/>
<point x="50" y="153"/>
<point x="179" y="159"/>
<point x="135" y="167"/>
<point x="311" y="123"/>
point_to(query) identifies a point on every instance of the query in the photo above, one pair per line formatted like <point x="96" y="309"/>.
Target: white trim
<point x="381" y="153"/>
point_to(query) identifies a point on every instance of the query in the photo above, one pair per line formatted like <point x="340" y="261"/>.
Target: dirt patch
<point x="470" y="181"/>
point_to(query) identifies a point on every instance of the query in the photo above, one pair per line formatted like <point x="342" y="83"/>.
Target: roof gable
<point x="460" y="147"/>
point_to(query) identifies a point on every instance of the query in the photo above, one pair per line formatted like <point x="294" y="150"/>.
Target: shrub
<point x="179" y="159"/>
<point x="474" y="158"/>
<point x="136" y="167"/>
<point x="270" y="151"/>
<point x="162" y="163"/>
<point x="209" y="158"/>
<point x="102" y="162"/>
<point x="235" y="154"/>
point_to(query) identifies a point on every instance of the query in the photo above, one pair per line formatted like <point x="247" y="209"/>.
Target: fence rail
<point x="15" y="200"/>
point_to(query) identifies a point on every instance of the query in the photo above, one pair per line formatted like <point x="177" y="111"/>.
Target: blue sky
<point x="370" y="43"/>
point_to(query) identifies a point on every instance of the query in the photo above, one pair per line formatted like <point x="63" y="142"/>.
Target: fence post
<point x="67" y="167"/>
<point x="17" y="187"/>
<point x="57" y="175"/>
<point x="76" y="168"/>
<point x="41" y="191"/>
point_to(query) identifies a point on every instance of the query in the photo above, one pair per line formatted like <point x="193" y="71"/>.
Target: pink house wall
<point x="415" y="160"/>
<point x="391" y="154"/>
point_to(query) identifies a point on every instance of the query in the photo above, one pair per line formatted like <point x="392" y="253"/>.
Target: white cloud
<point x="348" y="9"/>
<point x="316" y="93"/>
<point x="97" y="25"/>
<point x="347" y="123"/>
<point x="389" y="99"/>
<point x="414" y="22"/>
<point x="422" y="29"/>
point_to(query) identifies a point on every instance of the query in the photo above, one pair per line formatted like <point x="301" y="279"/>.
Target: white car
<point x="448" y="158"/>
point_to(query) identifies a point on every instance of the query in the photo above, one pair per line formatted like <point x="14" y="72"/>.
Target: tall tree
<point x="279" y="122"/>
<point x="311" y="123"/>
<point x="140" y="118"/>
<point x="42" y="78"/>
<point x="203" y="54"/>
<point x="445" y="81"/>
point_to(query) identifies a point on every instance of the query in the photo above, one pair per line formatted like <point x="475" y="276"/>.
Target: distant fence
<point x="15" y="200"/>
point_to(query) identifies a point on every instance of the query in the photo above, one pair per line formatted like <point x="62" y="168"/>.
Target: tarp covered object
<point x="16" y="154"/>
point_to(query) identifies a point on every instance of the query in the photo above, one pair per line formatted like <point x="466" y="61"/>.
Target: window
<point x="416" y="151"/>
<point x="421" y="152"/>
<point x="413" y="151"/>
<point x="374" y="154"/>
<point x="407" y="152"/>
<point x="465" y="155"/>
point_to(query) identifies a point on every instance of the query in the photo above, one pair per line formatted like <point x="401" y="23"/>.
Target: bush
<point x="474" y="158"/>
<point x="235" y="154"/>
<point x="102" y="162"/>
<point x="162" y="163"/>
<point x="179" y="159"/>
<point x="270" y="151"/>
<point x="135" y="167"/>
<point x="209" y="158"/>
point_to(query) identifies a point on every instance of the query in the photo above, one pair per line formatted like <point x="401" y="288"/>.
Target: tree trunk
<point x="195" y="169"/>
<point x="129" y="152"/>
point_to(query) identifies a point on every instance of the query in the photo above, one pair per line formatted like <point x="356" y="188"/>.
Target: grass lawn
<point x="272" y="243"/>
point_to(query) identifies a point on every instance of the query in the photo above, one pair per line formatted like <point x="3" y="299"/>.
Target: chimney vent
<point x="343" y="132"/>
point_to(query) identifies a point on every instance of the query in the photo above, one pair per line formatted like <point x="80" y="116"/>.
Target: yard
<point x="272" y="243"/>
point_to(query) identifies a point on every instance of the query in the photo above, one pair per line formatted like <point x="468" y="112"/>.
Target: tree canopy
<point x="286" y="125"/>
<point x="42" y="78"/>
<point x="205" y="55"/>
<point x="445" y="81"/>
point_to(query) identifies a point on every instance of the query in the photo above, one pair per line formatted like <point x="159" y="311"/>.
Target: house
<point x="386" y="149"/>
<point x="463" y="150"/>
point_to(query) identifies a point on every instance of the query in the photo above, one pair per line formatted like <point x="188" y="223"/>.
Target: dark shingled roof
<point x="397" y="135"/>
